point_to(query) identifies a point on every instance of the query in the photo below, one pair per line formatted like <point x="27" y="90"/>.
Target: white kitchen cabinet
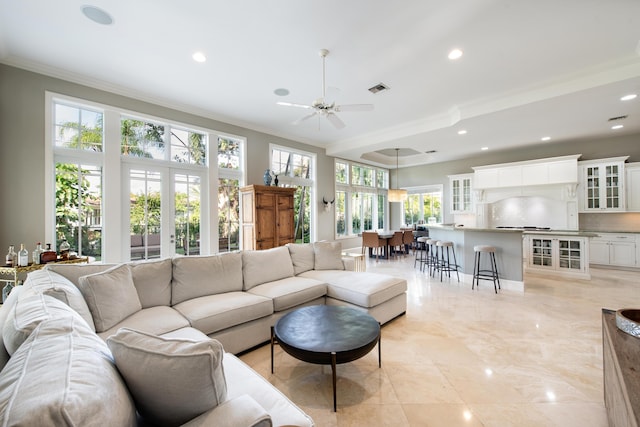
<point x="632" y="184"/>
<point x="616" y="249"/>
<point x="461" y="193"/>
<point x="602" y="185"/>
<point x="558" y="255"/>
<point x="549" y="171"/>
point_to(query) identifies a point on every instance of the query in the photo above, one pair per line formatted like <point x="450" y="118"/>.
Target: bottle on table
<point x="36" y="253"/>
<point x="23" y="256"/>
<point x="12" y="258"/>
<point x="64" y="250"/>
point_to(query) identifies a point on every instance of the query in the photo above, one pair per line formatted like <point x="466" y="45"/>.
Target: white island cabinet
<point x="562" y="255"/>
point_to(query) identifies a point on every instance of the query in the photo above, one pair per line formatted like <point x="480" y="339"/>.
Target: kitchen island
<point x="508" y="243"/>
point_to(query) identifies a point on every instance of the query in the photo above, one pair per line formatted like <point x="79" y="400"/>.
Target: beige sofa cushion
<point x="64" y="375"/>
<point x="152" y="280"/>
<point x="360" y="288"/>
<point x="180" y="379"/>
<point x="56" y="285"/>
<point x="156" y="320"/>
<point x="302" y="257"/>
<point x="241" y="380"/>
<point x="214" y="313"/>
<point x="110" y="295"/>
<point x="290" y="292"/>
<point x="196" y="276"/>
<point x="328" y="256"/>
<point x="265" y="266"/>
<point x="27" y="313"/>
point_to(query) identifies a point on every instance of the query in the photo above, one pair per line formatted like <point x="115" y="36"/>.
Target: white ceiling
<point x="530" y="68"/>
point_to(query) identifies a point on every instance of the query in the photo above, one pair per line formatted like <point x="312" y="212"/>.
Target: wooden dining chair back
<point x="370" y="239"/>
<point x="396" y="244"/>
<point x="407" y="239"/>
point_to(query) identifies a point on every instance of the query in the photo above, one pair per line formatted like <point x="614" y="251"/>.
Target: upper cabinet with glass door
<point x="461" y="193"/>
<point x="602" y="185"/>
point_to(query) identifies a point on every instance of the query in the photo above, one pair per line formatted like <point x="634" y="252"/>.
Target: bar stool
<point x="491" y="274"/>
<point x="445" y="264"/>
<point x="432" y="258"/>
<point x="420" y="251"/>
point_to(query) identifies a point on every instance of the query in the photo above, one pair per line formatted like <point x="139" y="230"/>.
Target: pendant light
<point x="397" y="195"/>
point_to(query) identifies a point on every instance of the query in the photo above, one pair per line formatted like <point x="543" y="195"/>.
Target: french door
<point x="163" y="211"/>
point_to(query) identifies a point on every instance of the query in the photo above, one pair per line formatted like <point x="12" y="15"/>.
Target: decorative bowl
<point x="628" y="320"/>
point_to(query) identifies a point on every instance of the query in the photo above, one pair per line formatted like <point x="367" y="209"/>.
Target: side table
<point x="14" y="275"/>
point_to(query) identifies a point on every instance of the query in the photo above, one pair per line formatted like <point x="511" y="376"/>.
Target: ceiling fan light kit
<point x="323" y="109"/>
<point x="397" y="195"/>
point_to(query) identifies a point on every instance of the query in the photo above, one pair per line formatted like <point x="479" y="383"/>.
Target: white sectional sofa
<point x="121" y="344"/>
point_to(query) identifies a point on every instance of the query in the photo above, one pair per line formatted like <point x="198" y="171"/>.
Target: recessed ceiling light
<point x="462" y="132"/>
<point x="484" y="148"/>
<point x="281" y="91"/>
<point x="545" y="138"/>
<point x="199" y="57"/>
<point x="455" y="54"/>
<point x="617" y="127"/>
<point x="629" y="97"/>
<point x="97" y="15"/>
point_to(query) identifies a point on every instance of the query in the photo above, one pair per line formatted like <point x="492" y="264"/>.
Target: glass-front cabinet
<point x="564" y="255"/>
<point x="460" y="193"/>
<point x="602" y="183"/>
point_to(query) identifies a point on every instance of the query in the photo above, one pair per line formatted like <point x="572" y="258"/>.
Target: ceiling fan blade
<point x="302" y="119"/>
<point x="290" y="104"/>
<point x="354" y="107"/>
<point x="335" y="121"/>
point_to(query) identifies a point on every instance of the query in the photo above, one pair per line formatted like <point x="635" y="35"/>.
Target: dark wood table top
<point x="312" y="333"/>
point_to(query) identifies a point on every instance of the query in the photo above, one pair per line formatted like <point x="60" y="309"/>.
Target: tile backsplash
<point x="620" y="222"/>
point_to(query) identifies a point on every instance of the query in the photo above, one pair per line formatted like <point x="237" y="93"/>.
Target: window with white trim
<point x="423" y="204"/>
<point x="361" y="198"/>
<point x="296" y="168"/>
<point x="91" y="144"/>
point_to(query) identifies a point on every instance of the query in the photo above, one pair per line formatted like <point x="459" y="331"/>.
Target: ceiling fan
<point x="322" y="108"/>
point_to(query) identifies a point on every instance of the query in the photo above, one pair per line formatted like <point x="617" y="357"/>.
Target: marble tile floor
<point x="462" y="357"/>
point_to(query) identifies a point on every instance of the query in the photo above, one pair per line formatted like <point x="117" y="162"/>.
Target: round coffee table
<point x="326" y="335"/>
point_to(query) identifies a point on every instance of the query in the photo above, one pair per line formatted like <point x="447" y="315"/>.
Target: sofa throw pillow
<point x="328" y="256"/>
<point x="27" y="313"/>
<point x="111" y="296"/>
<point x="63" y="375"/>
<point x="50" y="283"/>
<point x="181" y="378"/>
<point x="302" y="257"/>
<point x="264" y="266"/>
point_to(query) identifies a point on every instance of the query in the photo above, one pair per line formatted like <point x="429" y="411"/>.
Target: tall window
<point x="144" y="187"/>
<point x="361" y="198"/>
<point x="78" y="140"/>
<point x="296" y="168"/>
<point x="423" y="204"/>
<point x="230" y="178"/>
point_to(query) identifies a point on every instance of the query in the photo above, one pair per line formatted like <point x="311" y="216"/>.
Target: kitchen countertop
<point x="581" y="233"/>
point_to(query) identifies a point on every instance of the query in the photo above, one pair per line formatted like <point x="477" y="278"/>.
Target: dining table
<point x="386" y="250"/>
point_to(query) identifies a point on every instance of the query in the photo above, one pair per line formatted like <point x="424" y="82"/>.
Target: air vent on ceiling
<point x="378" y="88"/>
<point x="430" y="152"/>
<point x="613" y="119"/>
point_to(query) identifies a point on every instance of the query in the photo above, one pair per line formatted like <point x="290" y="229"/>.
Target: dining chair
<point x="396" y="242"/>
<point x="370" y="239"/>
<point x="408" y="240"/>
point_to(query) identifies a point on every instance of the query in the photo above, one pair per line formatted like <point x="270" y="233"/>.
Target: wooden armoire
<point x="267" y="216"/>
